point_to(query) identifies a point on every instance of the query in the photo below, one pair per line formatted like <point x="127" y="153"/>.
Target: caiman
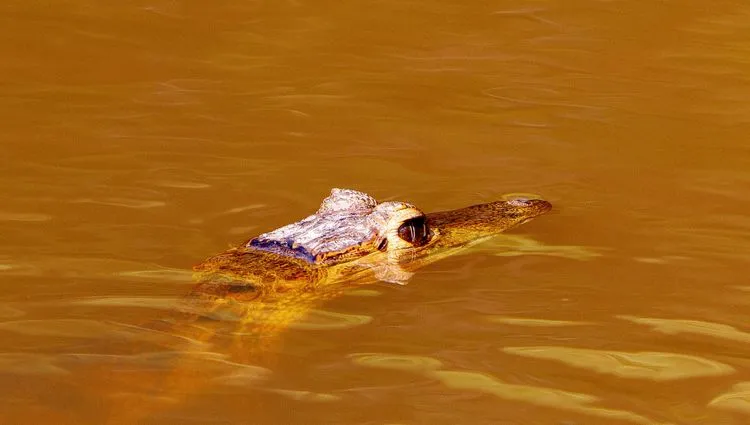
<point x="276" y="279"/>
<point x="351" y="236"/>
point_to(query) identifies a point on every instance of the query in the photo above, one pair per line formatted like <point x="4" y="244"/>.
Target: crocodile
<point x="276" y="279"/>
<point x="258" y="289"/>
<point x="352" y="237"/>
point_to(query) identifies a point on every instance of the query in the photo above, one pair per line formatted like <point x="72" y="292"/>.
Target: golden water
<point x="140" y="137"/>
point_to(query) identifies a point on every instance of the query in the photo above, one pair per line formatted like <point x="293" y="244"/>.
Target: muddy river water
<point x="140" y="137"/>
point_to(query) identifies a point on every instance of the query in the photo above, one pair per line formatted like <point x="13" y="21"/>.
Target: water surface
<point x="139" y="138"/>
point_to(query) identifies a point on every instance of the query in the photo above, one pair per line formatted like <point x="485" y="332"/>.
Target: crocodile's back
<point x="241" y="270"/>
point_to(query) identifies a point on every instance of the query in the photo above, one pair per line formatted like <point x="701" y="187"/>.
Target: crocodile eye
<point x="415" y="231"/>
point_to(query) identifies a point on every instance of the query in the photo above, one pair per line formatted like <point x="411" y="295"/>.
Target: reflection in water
<point x="514" y="245"/>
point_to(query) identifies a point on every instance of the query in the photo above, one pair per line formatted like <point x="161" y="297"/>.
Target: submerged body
<point x="353" y="237"/>
<point x="257" y="290"/>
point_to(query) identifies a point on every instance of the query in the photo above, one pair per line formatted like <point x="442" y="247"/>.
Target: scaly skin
<point x="266" y="292"/>
<point x="269" y="291"/>
<point x="242" y="269"/>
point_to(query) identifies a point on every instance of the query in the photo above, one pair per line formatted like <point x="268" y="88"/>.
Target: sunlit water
<point x="141" y="137"/>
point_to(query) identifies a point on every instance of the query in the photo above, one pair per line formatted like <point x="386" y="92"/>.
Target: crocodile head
<point x="351" y="224"/>
<point x="348" y="225"/>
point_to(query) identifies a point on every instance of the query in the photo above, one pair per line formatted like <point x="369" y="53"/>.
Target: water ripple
<point x="513" y="245"/>
<point x="7" y="216"/>
<point x="161" y="303"/>
<point x="656" y="366"/>
<point x="92" y="329"/>
<point x="677" y="326"/>
<point x="307" y="396"/>
<point x="737" y="398"/>
<point x="485" y="383"/>
<point x="313" y="320"/>
<point x="524" y="321"/>
<point x="29" y="364"/>
<point x="121" y="202"/>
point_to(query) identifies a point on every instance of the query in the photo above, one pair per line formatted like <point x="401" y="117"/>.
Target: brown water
<point x="140" y="137"/>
